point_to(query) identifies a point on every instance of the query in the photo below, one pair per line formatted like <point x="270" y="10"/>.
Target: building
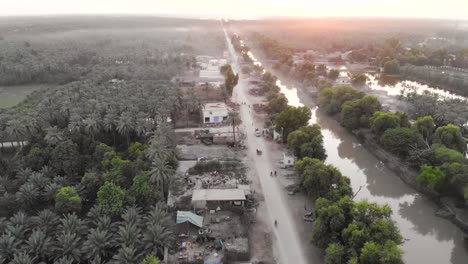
<point x="214" y="112"/>
<point x="212" y="198"/>
<point x="288" y="160"/>
<point x="189" y="217"/>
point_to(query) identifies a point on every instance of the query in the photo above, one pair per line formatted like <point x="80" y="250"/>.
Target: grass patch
<point x="12" y="95"/>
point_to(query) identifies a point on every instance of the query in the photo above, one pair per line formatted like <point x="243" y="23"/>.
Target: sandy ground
<point x="289" y="246"/>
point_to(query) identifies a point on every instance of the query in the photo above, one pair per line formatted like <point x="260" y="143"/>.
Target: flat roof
<point x="218" y="195"/>
<point x="215" y="106"/>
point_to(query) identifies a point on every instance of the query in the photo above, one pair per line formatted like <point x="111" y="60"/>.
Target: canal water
<point x="428" y="239"/>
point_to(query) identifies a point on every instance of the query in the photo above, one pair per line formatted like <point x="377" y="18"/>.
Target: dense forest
<point x="99" y="49"/>
<point x="93" y="171"/>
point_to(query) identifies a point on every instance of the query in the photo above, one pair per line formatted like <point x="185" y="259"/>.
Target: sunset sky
<point x="243" y="8"/>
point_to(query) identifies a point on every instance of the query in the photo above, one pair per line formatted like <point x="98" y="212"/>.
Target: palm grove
<point x="91" y="178"/>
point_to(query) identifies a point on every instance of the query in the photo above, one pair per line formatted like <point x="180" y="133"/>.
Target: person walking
<point x="275" y="173"/>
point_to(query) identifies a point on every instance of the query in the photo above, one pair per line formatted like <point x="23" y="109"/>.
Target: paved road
<point x="285" y="234"/>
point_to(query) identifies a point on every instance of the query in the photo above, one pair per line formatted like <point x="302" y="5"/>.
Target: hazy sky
<point x="243" y="8"/>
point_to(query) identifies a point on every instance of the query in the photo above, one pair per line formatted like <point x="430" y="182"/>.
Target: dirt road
<point x="285" y="235"/>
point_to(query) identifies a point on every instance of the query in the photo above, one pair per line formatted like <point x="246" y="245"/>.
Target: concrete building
<point x="212" y="198"/>
<point x="214" y="112"/>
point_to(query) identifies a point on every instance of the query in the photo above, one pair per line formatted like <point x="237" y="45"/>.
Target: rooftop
<point x="215" y="106"/>
<point x="187" y="216"/>
<point x="218" y="195"/>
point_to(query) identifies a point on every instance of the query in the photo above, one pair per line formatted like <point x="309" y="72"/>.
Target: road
<point x="285" y="234"/>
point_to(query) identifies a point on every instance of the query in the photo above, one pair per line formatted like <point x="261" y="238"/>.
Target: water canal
<point x="428" y="238"/>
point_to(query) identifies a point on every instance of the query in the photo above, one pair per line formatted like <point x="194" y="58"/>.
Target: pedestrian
<point x="271" y="173"/>
<point x="275" y="173"/>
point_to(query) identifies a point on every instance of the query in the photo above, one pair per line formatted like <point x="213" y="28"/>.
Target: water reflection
<point x="430" y="239"/>
<point x="395" y="86"/>
<point x="416" y="211"/>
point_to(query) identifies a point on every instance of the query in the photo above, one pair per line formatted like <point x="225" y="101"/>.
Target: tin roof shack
<point x="213" y="198"/>
<point x="214" y="112"/>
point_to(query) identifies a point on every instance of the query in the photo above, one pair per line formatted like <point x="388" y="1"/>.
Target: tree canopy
<point x="292" y="119"/>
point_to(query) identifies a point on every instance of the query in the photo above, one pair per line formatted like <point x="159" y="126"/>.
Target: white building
<point x="215" y="112"/>
<point x="288" y="160"/>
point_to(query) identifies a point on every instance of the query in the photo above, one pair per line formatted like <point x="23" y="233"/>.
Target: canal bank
<point x="428" y="238"/>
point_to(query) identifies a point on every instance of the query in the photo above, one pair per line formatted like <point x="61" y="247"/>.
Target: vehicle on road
<point x="257" y="132"/>
<point x="308" y="217"/>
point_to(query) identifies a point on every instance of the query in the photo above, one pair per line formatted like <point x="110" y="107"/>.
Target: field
<point x="12" y="95"/>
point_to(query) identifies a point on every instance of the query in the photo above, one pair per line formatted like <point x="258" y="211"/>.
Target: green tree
<point x="356" y="114"/>
<point x="111" y="198"/>
<point x="400" y="140"/>
<point x="446" y="155"/>
<point x="310" y="135"/>
<point x="451" y="137"/>
<point x="431" y="177"/>
<point x="277" y="104"/>
<point x="334" y="254"/>
<point x="359" y="79"/>
<point x="320" y="180"/>
<point x="67" y="200"/>
<point x="150" y="259"/>
<point x="292" y="119"/>
<point x="332" y="99"/>
<point x="91" y="181"/>
<point x="230" y="79"/>
<point x="382" y="121"/>
<point x="38" y="157"/>
<point x="392" y="67"/>
<point x="425" y="126"/>
<point x="333" y="74"/>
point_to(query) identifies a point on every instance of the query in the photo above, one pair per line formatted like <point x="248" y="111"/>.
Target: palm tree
<point x="158" y="149"/>
<point x="127" y="255"/>
<point x="39" y="244"/>
<point x="142" y="124"/>
<point x="160" y="173"/>
<point x="132" y="215"/>
<point x="53" y="136"/>
<point x="64" y="260"/>
<point x="157" y="237"/>
<point x="71" y="223"/>
<point x="22" y="176"/>
<point x="125" y="125"/>
<point x="99" y="243"/>
<point x="16" y="128"/>
<point x="235" y="120"/>
<point x="28" y="195"/>
<point x="9" y="245"/>
<point x="23" y="258"/>
<point x="192" y="103"/>
<point x="46" y="221"/>
<point x="68" y="244"/>
<point x="92" y="124"/>
<point x="75" y="122"/>
<point x="109" y="123"/>
<point x="129" y="235"/>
